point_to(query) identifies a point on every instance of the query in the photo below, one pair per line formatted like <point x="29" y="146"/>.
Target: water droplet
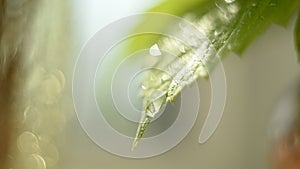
<point x="154" y="50"/>
<point x="202" y="71"/>
<point x="216" y="33"/>
<point x="144" y="87"/>
<point x="157" y="101"/>
<point x="157" y="94"/>
<point x="229" y="1"/>
<point x="182" y="49"/>
<point x="150" y="114"/>
<point x="233" y="8"/>
<point x="28" y="143"/>
<point x="165" y="77"/>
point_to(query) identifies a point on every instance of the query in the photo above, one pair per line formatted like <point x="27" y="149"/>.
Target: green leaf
<point x="230" y="26"/>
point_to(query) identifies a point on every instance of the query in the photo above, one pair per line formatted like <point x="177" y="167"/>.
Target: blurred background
<point x="255" y="83"/>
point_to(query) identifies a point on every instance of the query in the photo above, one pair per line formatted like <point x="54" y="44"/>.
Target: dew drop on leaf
<point x="154" y="50"/>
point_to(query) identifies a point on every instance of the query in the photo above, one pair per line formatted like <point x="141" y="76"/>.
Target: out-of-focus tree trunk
<point x="31" y="36"/>
<point x="7" y="83"/>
